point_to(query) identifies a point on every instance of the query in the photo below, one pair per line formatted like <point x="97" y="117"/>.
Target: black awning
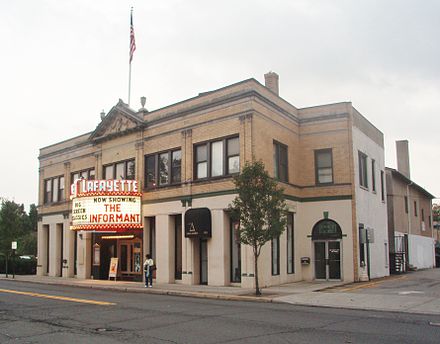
<point x="198" y="223"/>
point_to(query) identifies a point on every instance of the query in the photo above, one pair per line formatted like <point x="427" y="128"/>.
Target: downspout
<point x="409" y="224"/>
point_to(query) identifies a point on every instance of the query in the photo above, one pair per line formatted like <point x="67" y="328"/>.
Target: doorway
<point x="327" y="260"/>
<point x="203" y="261"/>
<point x="327" y="240"/>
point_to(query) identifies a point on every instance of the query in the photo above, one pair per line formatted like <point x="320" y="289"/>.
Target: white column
<point x="69" y="248"/>
<point x="42" y="249"/>
<point x="218" y="250"/>
<point x="54" y="250"/>
<point x="164" y="249"/>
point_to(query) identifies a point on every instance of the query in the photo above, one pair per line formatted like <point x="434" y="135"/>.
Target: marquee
<point x="106" y="205"/>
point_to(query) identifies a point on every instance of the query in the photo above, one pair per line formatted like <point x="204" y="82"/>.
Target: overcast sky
<point x="63" y="62"/>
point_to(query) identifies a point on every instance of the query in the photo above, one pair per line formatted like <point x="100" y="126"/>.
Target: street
<point x="35" y="313"/>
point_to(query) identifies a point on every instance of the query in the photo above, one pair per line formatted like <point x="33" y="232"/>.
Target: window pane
<point x="163" y="168"/>
<point x="233" y="146"/>
<point x="108" y="172"/>
<point x="201" y="153"/>
<point x="92" y="174"/>
<point x="217" y="159"/>
<point x="84" y="175"/>
<point x="75" y="177"/>
<point x="324" y="159"/>
<point x="283" y="163"/>
<point x="120" y="171"/>
<point x="202" y="170"/>
<point x="61" y="196"/>
<point x="235" y="253"/>
<point x="176" y="166"/>
<point x="276" y="162"/>
<point x="131" y="170"/>
<point x="275" y="256"/>
<point x="151" y="171"/>
<point x="290" y="260"/>
<point x="48" y="189"/>
<point x="55" y="190"/>
<point x="234" y="164"/>
<point x="325" y="175"/>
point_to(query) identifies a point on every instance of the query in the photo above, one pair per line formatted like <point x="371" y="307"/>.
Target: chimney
<point x="271" y="82"/>
<point x="403" y="157"/>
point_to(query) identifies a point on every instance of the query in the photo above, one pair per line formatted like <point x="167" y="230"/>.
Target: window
<point x="120" y="170"/>
<point x="373" y="175"/>
<point x="201" y="162"/>
<point x="429" y="221"/>
<point x="217" y="158"/>
<point x="84" y="174"/>
<point x="280" y="161"/>
<point x="415" y="208"/>
<point x="363" y="173"/>
<point x="163" y="169"/>
<point x="233" y="155"/>
<point x="323" y="166"/>
<point x="386" y="254"/>
<point x="235" y="252"/>
<point x="290" y="245"/>
<point x="382" y="186"/>
<point x="54" y="190"/>
<point x="276" y="256"/>
<point x="406" y="204"/>
<point x="423" y="215"/>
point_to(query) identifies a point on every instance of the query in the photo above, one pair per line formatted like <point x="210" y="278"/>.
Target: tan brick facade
<point x="259" y="118"/>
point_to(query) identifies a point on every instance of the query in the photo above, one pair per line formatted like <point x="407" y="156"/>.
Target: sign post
<point x="14" y="247"/>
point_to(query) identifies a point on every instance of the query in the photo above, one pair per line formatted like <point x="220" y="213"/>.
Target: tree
<point x="261" y="209"/>
<point x="16" y="225"/>
<point x="436" y="212"/>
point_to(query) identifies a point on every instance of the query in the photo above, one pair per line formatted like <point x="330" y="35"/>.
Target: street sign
<point x="14" y="245"/>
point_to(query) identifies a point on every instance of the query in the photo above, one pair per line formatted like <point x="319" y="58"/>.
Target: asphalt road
<point x="147" y="318"/>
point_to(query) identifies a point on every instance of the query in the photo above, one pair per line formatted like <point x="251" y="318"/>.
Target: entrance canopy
<point x="198" y="223"/>
<point x="326" y="230"/>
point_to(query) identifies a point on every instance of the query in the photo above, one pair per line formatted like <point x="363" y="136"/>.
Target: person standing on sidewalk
<point x="148" y="270"/>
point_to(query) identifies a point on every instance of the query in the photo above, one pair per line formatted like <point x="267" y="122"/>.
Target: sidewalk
<point x="322" y="294"/>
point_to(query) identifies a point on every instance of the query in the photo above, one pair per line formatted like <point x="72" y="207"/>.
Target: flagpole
<point x="129" y="83"/>
<point x="132" y="49"/>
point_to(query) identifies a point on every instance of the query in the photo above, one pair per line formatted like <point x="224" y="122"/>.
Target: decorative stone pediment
<point x="119" y="121"/>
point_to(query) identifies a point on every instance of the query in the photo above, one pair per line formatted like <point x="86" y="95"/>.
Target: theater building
<point x="329" y="159"/>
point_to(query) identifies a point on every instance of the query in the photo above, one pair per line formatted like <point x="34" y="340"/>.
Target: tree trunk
<point x="257" y="287"/>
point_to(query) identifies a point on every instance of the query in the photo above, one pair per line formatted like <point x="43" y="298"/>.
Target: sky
<point x="63" y="62"/>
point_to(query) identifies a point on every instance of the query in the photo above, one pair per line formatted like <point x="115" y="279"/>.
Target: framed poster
<point x="113" y="271"/>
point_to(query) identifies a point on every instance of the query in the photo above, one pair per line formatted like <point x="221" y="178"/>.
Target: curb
<point x="201" y="295"/>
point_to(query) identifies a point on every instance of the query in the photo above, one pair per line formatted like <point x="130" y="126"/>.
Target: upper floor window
<point x="323" y="166"/>
<point x="363" y="173"/>
<point x="382" y="186"/>
<point x="415" y="208"/>
<point x="84" y="174"/>
<point x="217" y="158"/>
<point x="280" y="161"/>
<point x="54" y="190"/>
<point x="373" y="175"/>
<point x="163" y="168"/>
<point x="120" y="170"/>
<point x="406" y="204"/>
<point x="423" y="215"/>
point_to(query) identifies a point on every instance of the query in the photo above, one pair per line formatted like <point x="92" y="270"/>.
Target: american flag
<point x="132" y="41"/>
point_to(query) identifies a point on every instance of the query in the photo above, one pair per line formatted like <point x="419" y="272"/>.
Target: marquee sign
<point x="106" y="205"/>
